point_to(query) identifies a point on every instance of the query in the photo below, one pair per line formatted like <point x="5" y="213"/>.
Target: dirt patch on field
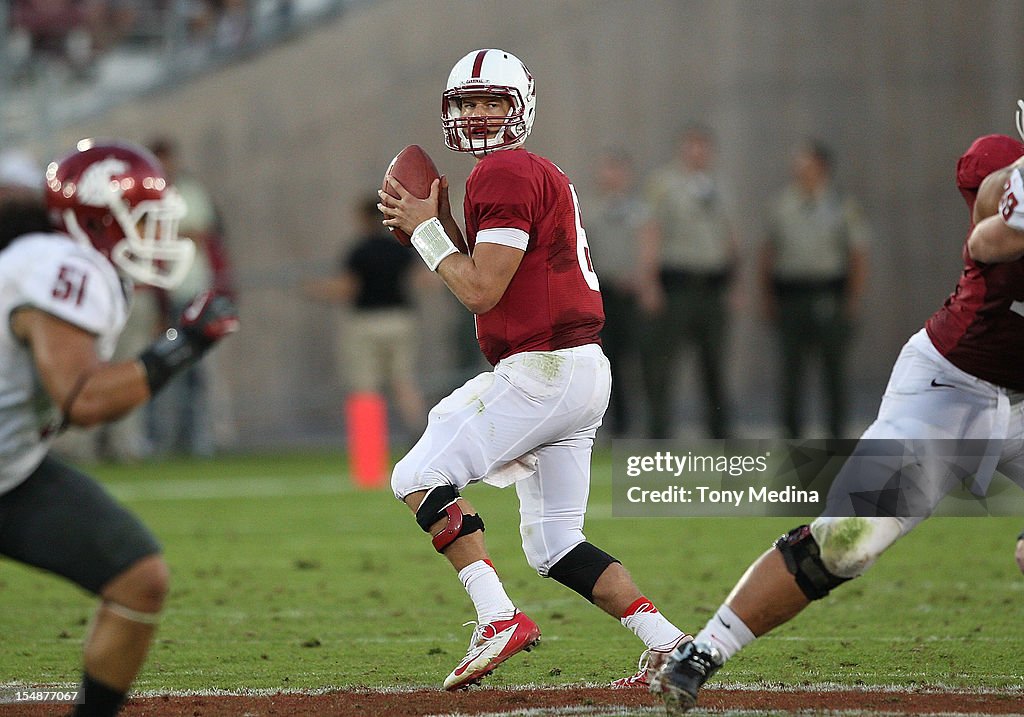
<point x="561" y="701"/>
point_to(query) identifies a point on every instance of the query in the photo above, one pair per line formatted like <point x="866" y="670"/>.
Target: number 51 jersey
<point x="73" y="282"/>
<point x="553" y="301"/>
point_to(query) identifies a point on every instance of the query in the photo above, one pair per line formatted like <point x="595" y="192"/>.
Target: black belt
<point x="678" y="278"/>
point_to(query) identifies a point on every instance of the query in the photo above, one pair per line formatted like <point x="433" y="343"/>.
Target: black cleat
<point x="683" y="674"/>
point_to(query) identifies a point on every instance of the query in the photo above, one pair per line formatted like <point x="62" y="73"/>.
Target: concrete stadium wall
<point x="289" y="139"/>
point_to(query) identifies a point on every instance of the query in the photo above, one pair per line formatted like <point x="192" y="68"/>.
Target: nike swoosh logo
<point x="727" y="625"/>
<point x="936" y="384"/>
<point x="505" y="634"/>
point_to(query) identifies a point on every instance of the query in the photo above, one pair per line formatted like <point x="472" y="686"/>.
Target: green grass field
<point x="284" y="576"/>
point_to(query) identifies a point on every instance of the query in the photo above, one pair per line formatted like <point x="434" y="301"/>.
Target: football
<point x="416" y="171"/>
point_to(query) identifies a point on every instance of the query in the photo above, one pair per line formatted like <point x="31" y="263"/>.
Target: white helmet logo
<point x="98" y="187"/>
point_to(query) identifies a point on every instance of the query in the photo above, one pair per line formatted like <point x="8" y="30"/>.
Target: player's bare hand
<point x="405" y="210"/>
<point x="1020" y="555"/>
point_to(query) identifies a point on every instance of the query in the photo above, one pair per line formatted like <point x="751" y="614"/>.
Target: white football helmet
<point x="488" y="72"/>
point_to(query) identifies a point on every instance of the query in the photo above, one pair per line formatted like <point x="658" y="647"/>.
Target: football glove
<point x="210" y="317"/>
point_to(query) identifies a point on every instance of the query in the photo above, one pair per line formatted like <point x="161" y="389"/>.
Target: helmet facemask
<point x="463" y="134"/>
<point x="156" y="255"/>
<point x="488" y="73"/>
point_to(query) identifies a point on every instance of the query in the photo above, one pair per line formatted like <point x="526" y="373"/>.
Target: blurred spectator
<point x="284" y="15"/>
<point x="693" y="259"/>
<point x="52" y="29"/>
<point x="131" y="22"/>
<point x="616" y="218"/>
<point x="184" y="417"/>
<point x="813" y="270"/>
<point x="379" y="341"/>
<point x="233" y="25"/>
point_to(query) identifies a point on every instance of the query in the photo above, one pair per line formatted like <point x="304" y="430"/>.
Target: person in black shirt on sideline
<point x="379" y="341"/>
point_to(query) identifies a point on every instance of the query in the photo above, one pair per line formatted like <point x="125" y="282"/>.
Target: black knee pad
<point x="803" y="558"/>
<point x="432" y="508"/>
<point x="441" y="502"/>
<point x="580" y="568"/>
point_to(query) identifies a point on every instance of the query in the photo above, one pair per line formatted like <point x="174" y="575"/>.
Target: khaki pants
<point x="378" y="346"/>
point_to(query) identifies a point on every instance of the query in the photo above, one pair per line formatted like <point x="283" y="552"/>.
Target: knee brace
<point x="803" y="559"/>
<point x="442" y="502"/>
<point x="580" y="568"/>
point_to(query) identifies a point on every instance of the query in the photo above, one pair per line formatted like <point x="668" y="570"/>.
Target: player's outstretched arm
<point x="998" y="234"/>
<point x="993" y="242"/>
<point x="89" y="391"/>
<point x="990" y="192"/>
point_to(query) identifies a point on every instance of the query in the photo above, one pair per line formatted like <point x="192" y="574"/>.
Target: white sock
<point x="726" y="632"/>
<point x="486" y="592"/>
<point x="650" y="625"/>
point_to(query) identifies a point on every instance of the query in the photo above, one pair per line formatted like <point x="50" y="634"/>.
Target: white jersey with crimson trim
<point x="75" y="283"/>
<point x="1011" y="205"/>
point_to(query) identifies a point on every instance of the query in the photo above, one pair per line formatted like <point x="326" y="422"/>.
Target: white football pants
<point x="928" y="403"/>
<point x="531" y="421"/>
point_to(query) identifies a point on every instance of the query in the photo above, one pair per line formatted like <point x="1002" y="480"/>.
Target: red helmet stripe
<point x="478" y="63"/>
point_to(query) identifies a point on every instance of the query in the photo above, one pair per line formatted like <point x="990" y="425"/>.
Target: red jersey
<point x="980" y="328"/>
<point x="553" y="301"/>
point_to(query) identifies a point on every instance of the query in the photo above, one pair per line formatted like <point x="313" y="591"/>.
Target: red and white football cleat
<point x="650" y="662"/>
<point x="491" y="645"/>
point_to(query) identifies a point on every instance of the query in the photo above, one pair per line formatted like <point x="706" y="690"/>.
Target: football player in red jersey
<point x="524" y="270"/>
<point x="956" y="383"/>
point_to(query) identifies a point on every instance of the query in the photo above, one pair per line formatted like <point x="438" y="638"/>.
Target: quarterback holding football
<point x="524" y="270"/>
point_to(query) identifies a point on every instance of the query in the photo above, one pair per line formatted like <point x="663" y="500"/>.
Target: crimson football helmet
<point x="488" y="72"/>
<point x="116" y="197"/>
<point x="985" y="155"/>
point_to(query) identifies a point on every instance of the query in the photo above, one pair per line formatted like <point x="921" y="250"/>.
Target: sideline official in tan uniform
<point x="693" y="260"/>
<point x="813" y="271"/>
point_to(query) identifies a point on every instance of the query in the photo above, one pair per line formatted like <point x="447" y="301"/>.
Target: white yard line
<point x="255" y="487"/>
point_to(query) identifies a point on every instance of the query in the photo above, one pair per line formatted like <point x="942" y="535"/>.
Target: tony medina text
<point x="707" y="494"/>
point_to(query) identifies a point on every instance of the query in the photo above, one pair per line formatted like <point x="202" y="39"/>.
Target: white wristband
<point x="432" y="242"/>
